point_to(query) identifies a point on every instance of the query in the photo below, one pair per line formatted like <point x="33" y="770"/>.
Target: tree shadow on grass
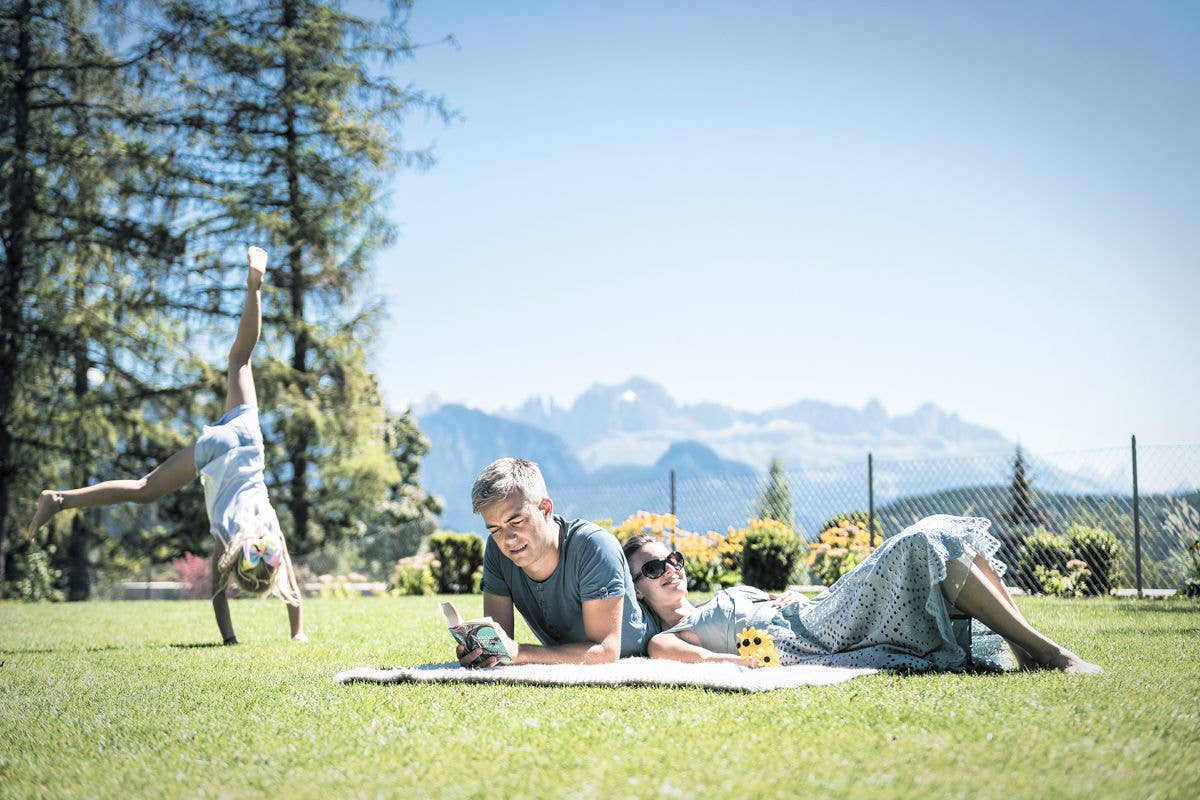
<point x="1149" y="630"/>
<point x="1160" y="607"/>
<point x="25" y="651"/>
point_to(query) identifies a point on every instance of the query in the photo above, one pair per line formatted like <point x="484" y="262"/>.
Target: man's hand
<point x="474" y="660"/>
<point x="469" y="659"/>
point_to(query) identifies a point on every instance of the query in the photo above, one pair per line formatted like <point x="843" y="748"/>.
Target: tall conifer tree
<point x="776" y="499"/>
<point x="297" y="129"/>
<point x="84" y="247"/>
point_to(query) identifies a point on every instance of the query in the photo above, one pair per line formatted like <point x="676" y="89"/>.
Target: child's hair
<point x="254" y="558"/>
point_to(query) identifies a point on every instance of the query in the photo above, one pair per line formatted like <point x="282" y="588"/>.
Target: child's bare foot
<point x="49" y="504"/>
<point x="299" y="637"/>
<point x="257" y="258"/>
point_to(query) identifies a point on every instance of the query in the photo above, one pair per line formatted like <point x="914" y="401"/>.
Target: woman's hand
<point x="787" y="598"/>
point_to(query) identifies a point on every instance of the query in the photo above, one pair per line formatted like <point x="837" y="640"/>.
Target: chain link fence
<point x="1078" y="506"/>
<point x="1069" y="523"/>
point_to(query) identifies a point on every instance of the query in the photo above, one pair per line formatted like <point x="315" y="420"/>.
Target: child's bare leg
<point x="982" y="600"/>
<point x="174" y="473"/>
<point x="296" y="622"/>
<point x="220" y="602"/>
<point x="240" y="378"/>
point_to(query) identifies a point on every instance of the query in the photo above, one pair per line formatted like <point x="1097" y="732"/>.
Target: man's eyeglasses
<point x="655" y="567"/>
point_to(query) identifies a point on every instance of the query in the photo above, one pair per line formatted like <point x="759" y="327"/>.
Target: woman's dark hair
<point x="635" y="543"/>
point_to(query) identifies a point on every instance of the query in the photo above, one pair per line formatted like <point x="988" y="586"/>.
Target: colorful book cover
<point x="476" y="634"/>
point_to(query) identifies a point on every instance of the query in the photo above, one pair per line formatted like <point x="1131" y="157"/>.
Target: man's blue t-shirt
<point x="591" y="566"/>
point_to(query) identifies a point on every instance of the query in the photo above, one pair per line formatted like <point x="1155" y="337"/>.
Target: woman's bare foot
<point x="257" y="259"/>
<point x="1066" y="661"/>
<point x="1023" y="658"/>
<point x="49" y="504"/>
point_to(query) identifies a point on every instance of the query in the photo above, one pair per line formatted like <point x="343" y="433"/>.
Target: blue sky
<point x="988" y="206"/>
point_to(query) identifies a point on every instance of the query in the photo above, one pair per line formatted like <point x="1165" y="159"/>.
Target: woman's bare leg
<point x="1024" y="659"/>
<point x="240" y="378"/>
<point x="985" y="567"/>
<point x="176" y="472"/>
<point x="982" y="600"/>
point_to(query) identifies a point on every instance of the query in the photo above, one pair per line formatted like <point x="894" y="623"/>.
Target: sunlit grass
<point x="123" y="699"/>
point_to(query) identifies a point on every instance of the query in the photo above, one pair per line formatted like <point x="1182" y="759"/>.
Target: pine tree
<point x="775" y="502"/>
<point x="296" y="132"/>
<point x="1022" y="508"/>
<point x="76" y="211"/>
<point x="409" y="513"/>
<point x="1022" y="516"/>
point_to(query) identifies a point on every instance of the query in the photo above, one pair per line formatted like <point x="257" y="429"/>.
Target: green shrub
<point x="413" y="575"/>
<point x="40" y="581"/>
<point x="1073" y="584"/>
<point x="457" y="561"/>
<point x="769" y="554"/>
<point x="1182" y="524"/>
<point x="1045" y="549"/>
<point x="1101" y="551"/>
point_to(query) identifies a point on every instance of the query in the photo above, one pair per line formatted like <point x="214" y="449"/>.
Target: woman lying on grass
<point x="891" y="612"/>
<point x="228" y="455"/>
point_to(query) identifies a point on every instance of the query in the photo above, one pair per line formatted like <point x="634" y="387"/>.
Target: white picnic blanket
<point x="626" y="672"/>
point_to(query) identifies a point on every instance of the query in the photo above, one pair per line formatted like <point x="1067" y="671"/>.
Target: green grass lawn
<point x="128" y="699"/>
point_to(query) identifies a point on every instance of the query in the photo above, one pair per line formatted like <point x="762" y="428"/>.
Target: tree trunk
<point x="20" y="202"/>
<point x="78" y="576"/>
<point x="79" y="584"/>
<point x="300" y="342"/>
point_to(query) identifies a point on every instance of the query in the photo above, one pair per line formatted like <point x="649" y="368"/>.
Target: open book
<point x="477" y="634"/>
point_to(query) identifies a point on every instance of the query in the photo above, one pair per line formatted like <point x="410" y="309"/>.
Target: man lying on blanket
<point x="569" y="579"/>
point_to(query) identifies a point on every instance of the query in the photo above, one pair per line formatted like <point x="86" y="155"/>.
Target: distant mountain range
<point x="611" y="452"/>
<point x="634" y="422"/>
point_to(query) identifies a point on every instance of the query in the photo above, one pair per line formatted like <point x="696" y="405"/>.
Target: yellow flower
<point x="757" y="645"/>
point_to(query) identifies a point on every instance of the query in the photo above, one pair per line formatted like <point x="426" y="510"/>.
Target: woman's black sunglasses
<point x="655" y="567"/>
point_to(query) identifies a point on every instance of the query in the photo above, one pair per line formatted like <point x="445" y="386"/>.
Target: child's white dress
<point x="229" y="458"/>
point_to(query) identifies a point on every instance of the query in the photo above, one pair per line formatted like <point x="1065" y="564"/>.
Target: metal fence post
<point x="672" y="493"/>
<point x="870" y="500"/>
<point x="1137" y="521"/>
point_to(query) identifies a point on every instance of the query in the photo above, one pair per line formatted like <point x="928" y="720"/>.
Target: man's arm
<point x="601" y="625"/>
<point x="500" y="609"/>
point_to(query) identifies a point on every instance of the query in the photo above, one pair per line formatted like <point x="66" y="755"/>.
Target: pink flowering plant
<point x="194" y="575"/>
